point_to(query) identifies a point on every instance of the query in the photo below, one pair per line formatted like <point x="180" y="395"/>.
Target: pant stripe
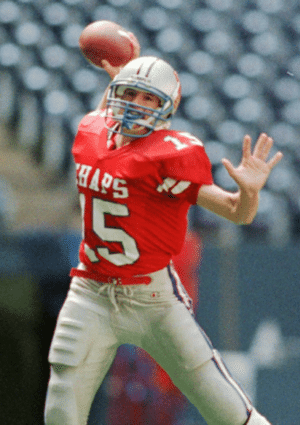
<point x="178" y="289"/>
<point x="227" y="375"/>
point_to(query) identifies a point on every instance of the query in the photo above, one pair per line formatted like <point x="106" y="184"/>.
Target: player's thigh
<point x="182" y="348"/>
<point x="81" y="334"/>
<point x="177" y="342"/>
<point x="81" y="352"/>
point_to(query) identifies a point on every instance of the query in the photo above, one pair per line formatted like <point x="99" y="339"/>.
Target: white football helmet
<point x="149" y="74"/>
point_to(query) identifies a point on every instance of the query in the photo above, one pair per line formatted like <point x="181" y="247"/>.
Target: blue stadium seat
<point x="239" y="68"/>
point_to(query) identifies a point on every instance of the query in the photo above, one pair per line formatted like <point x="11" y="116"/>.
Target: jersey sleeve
<point x="188" y="159"/>
<point x="186" y="166"/>
<point x="90" y="124"/>
<point x="186" y="163"/>
<point x="180" y="189"/>
<point x="192" y="165"/>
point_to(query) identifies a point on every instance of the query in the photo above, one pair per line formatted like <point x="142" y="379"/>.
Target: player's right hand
<point x="114" y="70"/>
<point x="111" y="70"/>
<point x="136" y="46"/>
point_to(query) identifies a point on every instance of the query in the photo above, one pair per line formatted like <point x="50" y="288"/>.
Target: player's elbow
<point x="244" y="222"/>
<point x="242" y="219"/>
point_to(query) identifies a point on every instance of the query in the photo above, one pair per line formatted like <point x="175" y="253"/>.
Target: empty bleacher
<point x="238" y="61"/>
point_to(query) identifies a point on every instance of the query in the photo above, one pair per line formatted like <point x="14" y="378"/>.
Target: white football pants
<point x="97" y="318"/>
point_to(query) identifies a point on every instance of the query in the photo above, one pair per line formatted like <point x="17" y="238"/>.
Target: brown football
<point x="108" y="40"/>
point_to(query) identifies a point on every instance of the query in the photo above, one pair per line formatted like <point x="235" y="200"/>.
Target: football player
<point x="136" y="180"/>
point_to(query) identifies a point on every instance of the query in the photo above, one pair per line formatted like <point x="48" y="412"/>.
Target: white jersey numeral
<point x="179" y="144"/>
<point x="192" y="138"/>
<point x="176" y="142"/>
<point x="108" y="234"/>
<point x="175" y="186"/>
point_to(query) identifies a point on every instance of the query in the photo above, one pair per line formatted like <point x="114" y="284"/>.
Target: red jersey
<point x="135" y="199"/>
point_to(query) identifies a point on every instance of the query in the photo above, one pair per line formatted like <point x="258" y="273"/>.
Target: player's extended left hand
<point x="254" y="169"/>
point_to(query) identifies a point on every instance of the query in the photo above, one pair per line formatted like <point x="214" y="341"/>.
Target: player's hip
<point x="164" y="287"/>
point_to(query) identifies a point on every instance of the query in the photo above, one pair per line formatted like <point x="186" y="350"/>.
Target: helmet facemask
<point x="151" y="75"/>
<point x="129" y="114"/>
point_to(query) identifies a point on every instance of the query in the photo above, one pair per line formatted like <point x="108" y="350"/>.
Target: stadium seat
<point x="237" y="62"/>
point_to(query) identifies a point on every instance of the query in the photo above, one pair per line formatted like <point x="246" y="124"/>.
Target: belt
<point x="131" y="280"/>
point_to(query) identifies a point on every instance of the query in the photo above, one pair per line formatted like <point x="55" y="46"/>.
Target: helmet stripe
<point x="139" y="70"/>
<point x="150" y="68"/>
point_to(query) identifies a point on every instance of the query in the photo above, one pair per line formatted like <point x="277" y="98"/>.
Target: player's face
<point x="141" y="98"/>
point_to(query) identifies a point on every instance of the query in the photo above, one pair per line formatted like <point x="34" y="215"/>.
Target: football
<point x="108" y="40"/>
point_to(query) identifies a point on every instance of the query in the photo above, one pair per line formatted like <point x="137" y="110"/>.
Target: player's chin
<point x="136" y="130"/>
